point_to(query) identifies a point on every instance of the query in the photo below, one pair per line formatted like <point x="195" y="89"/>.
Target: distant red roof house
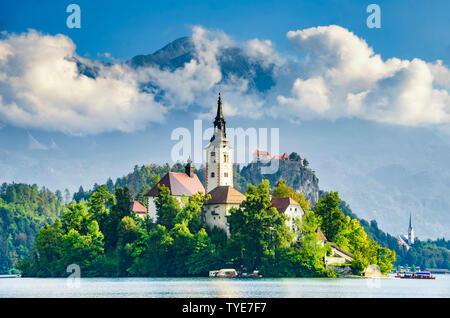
<point x="137" y="207"/>
<point x="179" y="183"/>
<point x="261" y="152"/>
<point x="225" y="194"/>
<point x="321" y="236"/>
<point x="285" y="156"/>
<point x="281" y="204"/>
<point x="261" y="155"/>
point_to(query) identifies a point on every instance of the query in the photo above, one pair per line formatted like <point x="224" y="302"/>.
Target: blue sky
<point x="351" y="154"/>
<point x="126" y="28"/>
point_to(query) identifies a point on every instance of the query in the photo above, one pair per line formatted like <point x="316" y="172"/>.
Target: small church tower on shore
<point x="410" y="232"/>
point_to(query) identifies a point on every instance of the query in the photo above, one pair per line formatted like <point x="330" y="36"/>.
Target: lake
<point x="224" y="287"/>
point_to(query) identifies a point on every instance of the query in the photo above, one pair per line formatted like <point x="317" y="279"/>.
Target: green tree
<point x="192" y="212"/>
<point x="333" y="220"/>
<point x="257" y="229"/>
<point x="282" y="190"/>
<point x="167" y="207"/>
<point x="116" y="214"/>
<point x="152" y="253"/>
<point x="203" y="255"/>
<point x="99" y="204"/>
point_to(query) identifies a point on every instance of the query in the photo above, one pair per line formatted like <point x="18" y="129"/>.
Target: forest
<point x="24" y="209"/>
<point x="104" y="238"/>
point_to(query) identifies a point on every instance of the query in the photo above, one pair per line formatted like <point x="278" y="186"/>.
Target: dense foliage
<point x="104" y="238"/>
<point x="24" y="209"/>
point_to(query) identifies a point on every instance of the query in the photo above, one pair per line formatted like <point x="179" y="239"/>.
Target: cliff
<point x="297" y="175"/>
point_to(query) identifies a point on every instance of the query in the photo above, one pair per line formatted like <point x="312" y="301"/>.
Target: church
<point x="218" y="183"/>
<point x="407" y="240"/>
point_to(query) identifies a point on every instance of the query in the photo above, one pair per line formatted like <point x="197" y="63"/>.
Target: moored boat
<point x="11" y="276"/>
<point x="415" y="275"/>
<point x="227" y="272"/>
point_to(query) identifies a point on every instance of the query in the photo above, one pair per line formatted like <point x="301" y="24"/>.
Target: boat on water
<point x="231" y="272"/>
<point x="415" y="275"/>
<point x="227" y="272"/>
<point x="11" y="276"/>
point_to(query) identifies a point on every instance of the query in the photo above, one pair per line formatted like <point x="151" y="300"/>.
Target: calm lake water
<point x="217" y="287"/>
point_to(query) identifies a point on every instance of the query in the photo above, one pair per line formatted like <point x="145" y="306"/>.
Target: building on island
<point x="179" y="183"/>
<point x="219" y="176"/>
<point x="338" y="255"/>
<point x="217" y="209"/>
<point x="218" y="183"/>
<point x="138" y="209"/>
<point x="219" y="155"/>
<point x="291" y="208"/>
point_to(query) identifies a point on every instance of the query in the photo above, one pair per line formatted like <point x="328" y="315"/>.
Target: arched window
<point x="212" y="174"/>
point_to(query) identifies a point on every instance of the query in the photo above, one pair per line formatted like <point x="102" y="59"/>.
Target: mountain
<point x="232" y="61"/>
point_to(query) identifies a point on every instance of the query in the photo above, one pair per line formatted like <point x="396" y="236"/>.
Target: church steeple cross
<point x="219" y="121"/>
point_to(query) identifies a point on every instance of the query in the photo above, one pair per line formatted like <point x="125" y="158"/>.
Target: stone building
<point x="289" y="207"/>
<point x="179" y="184"/>
<point x="219" y="176"/>
<point x="217" y="209"/>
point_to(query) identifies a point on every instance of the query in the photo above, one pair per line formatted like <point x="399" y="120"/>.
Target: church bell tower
<point x="219" y="155"/>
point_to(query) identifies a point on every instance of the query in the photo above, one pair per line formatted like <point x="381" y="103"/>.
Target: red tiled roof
<point x="285" y="156"/>
<point x="179" y="183"/>
<point x="281" y="204"/>
<point x="261" y="152"/>
<point x="321" y="236"/>
<point x="137" y="207"/>
<point x="277" y="157"/>
<point x="225" y="194"/>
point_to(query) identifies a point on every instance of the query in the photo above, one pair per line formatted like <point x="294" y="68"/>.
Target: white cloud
<point x="40" y="87"/>
<point x="338" y="75"/>
<point x="263" y="50"/>
<point x="343" y="77"/>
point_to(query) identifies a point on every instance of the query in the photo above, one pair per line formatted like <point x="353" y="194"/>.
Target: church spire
<point x="410" y="225"/>
<point x="219" y="121"/>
